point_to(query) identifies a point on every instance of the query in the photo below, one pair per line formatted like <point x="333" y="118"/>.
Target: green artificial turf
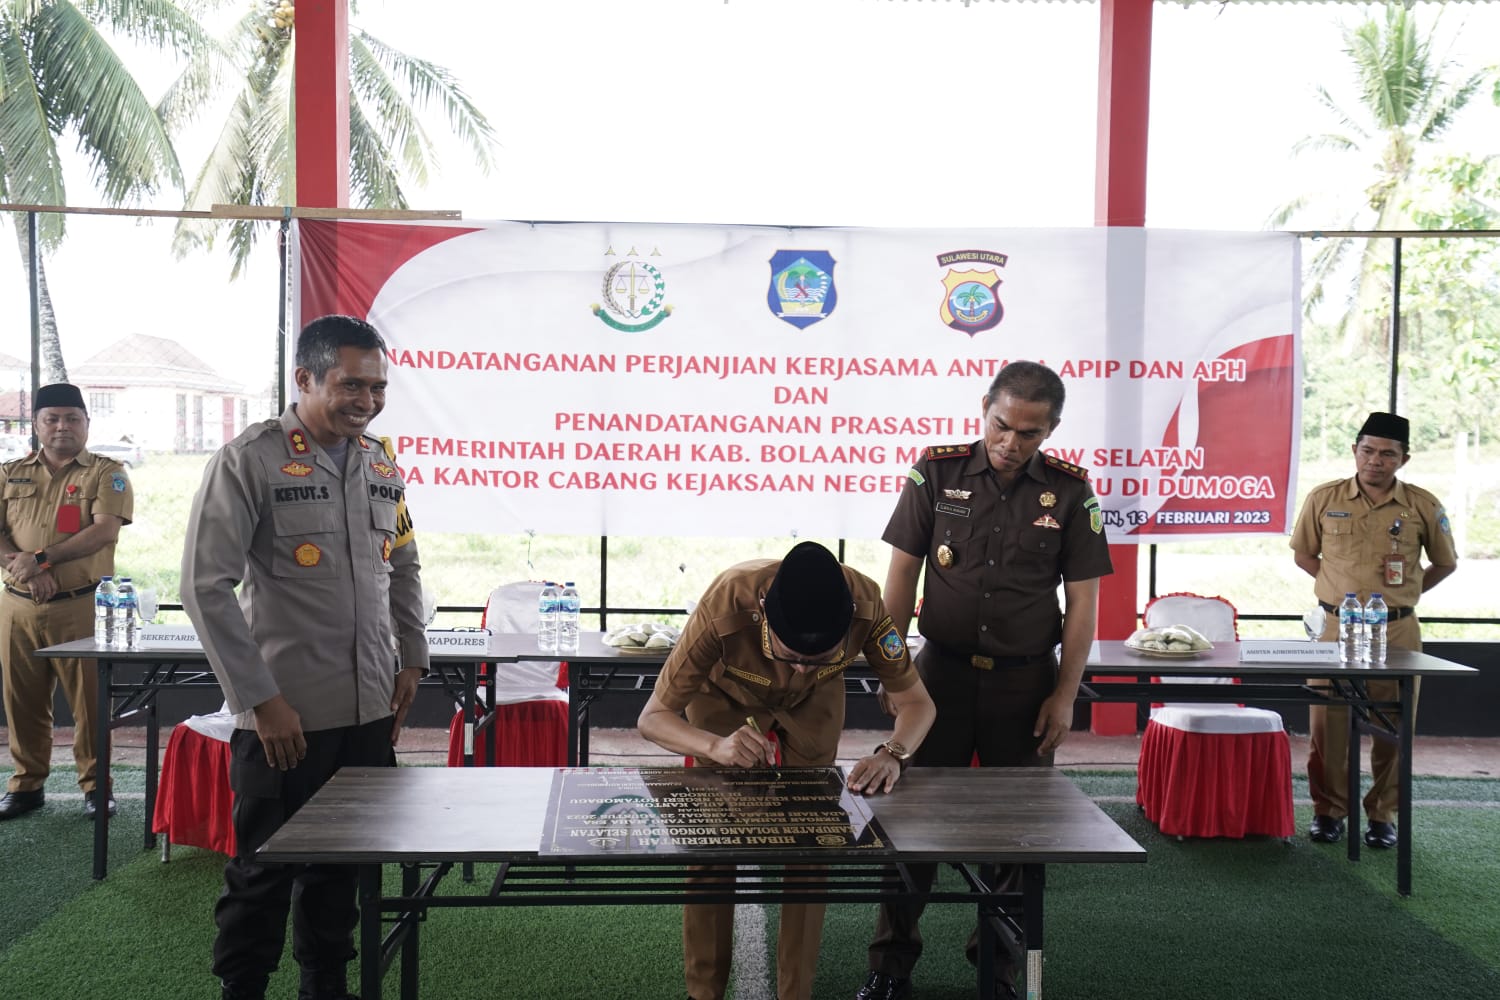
<point x="1201" y="919"/>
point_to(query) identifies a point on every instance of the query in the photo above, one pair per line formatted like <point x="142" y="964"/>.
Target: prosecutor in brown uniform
<point x="998" y="526"/>
<point x="769" y="642"/>
<point x="303" y="580"/>
<point x="60" y="517"/>
<point x="1362" y="535"/>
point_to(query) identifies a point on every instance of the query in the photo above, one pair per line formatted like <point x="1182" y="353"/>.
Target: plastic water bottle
<point x="1376" y="615"/>
<point x="569" y="606"/>
<point x="126" y="622"/>
<point x="1351" y="629"/>
<point x="104" y="611"/>
<point x="546" y="618"/>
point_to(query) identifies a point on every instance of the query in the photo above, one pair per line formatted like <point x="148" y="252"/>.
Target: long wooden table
<point x="1114" y="673"/>
<point x="130" y="681"/>
<point x="371" y="817"/>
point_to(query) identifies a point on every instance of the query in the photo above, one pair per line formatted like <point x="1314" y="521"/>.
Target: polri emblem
<point x="802" y="291"/>
<point x="1048" y="499"/>
<point x="970" y="302"/>
<point x="385" y="550"/>
<point x="307" y="554"/>
<point x="383" y="470"/>
<point x="297" y="469"/>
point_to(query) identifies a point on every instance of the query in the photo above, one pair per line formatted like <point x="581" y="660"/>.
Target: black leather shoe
<point x="1326" y="829"/>
<point x="880" y="986"/>
<point x="90" y="810"/>
<point x="14" y="804"/>
<point x="1380" y="835"/>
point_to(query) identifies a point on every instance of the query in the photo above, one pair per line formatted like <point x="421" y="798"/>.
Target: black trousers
<point x="251" y="913"/>
<point x="988" y="712"/>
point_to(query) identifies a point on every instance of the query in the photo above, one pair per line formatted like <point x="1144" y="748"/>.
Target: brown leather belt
<point x="1392" y="614"/>
<point x="62" y="595"/>
<point x="986" y="662"/>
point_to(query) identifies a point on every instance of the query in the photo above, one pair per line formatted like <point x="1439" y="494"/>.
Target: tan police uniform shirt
<point x="721" y="667"/>
<point x="35" y="510"/>
<point x="326" y="594"/>
<point x="994" y="555"/>
<point x="1352" y="537"/>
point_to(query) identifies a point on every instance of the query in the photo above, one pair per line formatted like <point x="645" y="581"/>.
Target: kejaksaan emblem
<point x="802" y="290"/>
<point x="634" y="291"/>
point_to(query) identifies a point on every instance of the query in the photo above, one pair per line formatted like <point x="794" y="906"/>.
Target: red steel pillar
<point x="321" y="99"/>
<point x="1120" y="200"/>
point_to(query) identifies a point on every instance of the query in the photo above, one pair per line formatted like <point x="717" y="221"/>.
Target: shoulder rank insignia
<point x="1076" y="471"/>
<point x="299" y="441"/>
<point x="948" y="451"/>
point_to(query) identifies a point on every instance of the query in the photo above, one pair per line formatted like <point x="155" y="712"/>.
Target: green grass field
<point x="1256" y="572"/>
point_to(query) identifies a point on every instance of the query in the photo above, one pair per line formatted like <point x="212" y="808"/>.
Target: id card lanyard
<point x="1393" y="562"/>
<point x="69" y="513"/>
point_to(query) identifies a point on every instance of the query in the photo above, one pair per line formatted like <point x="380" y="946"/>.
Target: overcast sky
<point x="840" y="112"/>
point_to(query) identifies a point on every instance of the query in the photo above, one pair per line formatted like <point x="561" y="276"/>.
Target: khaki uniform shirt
<point x="34" y="511"/>
<point x="323" y="586"/>
<point x="1338" y="524"/>
<point x="995" y="558"/>
<point x="722" y="668"/>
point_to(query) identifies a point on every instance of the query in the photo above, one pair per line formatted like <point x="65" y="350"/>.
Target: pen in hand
<point x="750" y="721"/>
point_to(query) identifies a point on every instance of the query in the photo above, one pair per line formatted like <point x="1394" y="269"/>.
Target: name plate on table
<point x="178" y="636"/>
<point x="671" y="810"/>
<point x="448" y="640"/>
<point x="1287" y="651"/>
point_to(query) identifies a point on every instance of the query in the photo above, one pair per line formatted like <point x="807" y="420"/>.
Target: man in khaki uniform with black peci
<point x="60" y="515"/>
<point x="765" y="651"/>
<point x="1362" y="535"/>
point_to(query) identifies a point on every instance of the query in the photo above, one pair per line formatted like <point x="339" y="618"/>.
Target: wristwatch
<point x="896" y="750"/>
<point x="42" y="562"/>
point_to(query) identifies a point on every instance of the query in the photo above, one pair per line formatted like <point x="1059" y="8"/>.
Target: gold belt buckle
<point x="982" y="662"/>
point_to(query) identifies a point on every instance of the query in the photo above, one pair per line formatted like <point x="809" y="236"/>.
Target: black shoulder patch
<point x="938" y="451"/>
<point x="1077" y="471"/>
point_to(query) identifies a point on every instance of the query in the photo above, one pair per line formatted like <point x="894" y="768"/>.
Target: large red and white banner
<point x="742" y="381"/>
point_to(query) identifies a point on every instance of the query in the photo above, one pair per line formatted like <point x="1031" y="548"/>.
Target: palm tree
<point x="252" y="161"/>
<point x="58" y="73"/>
<point x="1408" y="97"/>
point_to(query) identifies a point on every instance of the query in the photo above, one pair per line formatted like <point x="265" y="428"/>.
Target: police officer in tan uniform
<point x="60" y="516"/>
<point x="998" y="525"/>
<point x="770" y="641"/>
<point x="1361" y="535"/>
<point x="303" y="514"/>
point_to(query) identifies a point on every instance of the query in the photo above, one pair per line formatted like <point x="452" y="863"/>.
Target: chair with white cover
<point x="1212" y="769"/>
<point x="194" y="805"/>
<point x="531" y="696"/>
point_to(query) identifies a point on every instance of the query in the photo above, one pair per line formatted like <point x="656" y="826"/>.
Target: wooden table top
<point x="976" y="815"/>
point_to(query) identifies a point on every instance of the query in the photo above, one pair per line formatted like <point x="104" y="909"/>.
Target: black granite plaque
<point x="719" y="810"/>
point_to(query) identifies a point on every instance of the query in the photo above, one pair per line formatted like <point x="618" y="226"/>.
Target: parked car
<point x="130" y="455"/>
<point x="14" y="446"/>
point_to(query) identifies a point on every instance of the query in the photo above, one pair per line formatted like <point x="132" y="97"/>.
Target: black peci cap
<point x="1386" y="425"/>
<point x="808" y="604"/>
<point x="58" y="394"/>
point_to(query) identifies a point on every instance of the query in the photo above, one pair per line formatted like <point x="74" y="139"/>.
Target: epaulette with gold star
<point x="949" y="451"/>
<point x="1077" y="471"/>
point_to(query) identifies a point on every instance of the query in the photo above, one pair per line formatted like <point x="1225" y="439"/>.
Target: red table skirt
<point x="1215" y="784"/>
<point x="531" y="734"/>
<point x="193" y="800"/>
